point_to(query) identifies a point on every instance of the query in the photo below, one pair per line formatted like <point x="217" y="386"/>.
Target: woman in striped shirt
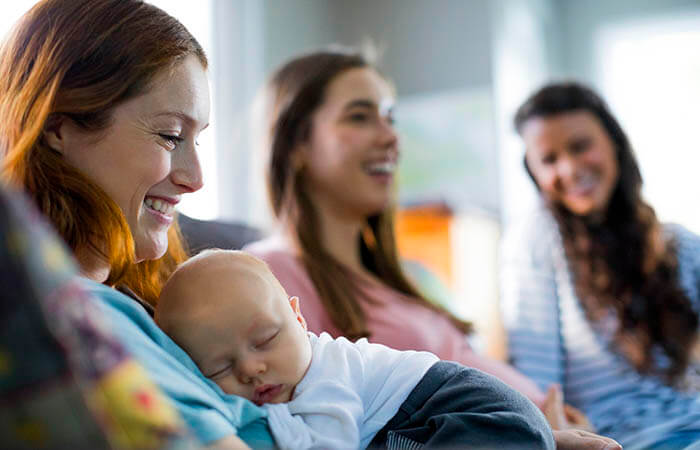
<point x="598" y="295"/>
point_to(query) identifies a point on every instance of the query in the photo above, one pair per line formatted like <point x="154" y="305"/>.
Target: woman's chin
<point x="150" y="250"/>
<point x="378" y="206"/>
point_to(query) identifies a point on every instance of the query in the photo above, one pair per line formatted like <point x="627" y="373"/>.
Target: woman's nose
<point x="186" y="171"/>
<point x="565" y="168"/>
<point x="388" y="135"/>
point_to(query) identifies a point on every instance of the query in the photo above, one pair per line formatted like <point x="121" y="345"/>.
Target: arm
<point x="318" y="424"/>
<point x="326" y="411"/>
<point x="530" y="306"/>
<point x="688" y="254"/>
<point x="688" y="248"/>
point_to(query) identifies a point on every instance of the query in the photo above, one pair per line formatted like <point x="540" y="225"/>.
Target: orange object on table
<point x="423" y="235"/>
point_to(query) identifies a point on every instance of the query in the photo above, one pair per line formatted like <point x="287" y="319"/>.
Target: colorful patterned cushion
<point x="64" y="380"/>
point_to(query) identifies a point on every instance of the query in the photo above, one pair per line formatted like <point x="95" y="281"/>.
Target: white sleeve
<point x="327" y="408"/>
<point x="318" y="424"/>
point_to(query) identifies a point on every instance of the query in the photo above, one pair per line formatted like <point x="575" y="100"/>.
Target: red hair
<point x="79" y="59"/>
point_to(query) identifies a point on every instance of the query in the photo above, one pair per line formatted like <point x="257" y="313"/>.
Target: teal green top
<point x="209" y="412"/>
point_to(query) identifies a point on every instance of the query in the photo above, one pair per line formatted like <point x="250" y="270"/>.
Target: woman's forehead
<point x="359" y="83"/>
<point x="181" y="93"/>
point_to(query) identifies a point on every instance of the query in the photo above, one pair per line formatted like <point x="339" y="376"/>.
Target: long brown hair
<point x="78" y="59"/>
<point x="624" y="262"/>
<point x="294" y="92"/>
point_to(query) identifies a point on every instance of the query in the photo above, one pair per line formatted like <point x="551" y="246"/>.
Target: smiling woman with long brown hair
<point x="598" y="294"/>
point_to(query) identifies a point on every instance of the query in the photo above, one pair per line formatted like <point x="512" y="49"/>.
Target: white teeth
<point x="160" y="206"/>
<point x="386" y="167"/>
<point x="584" y="184"/>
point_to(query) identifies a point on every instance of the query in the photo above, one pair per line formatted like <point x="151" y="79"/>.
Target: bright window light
<point x="10" y="12"/>
<point x="650" y="74"/>
<point x="197" y="17"/>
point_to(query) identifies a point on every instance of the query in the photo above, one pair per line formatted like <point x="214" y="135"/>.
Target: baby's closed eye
<point x="219" y="373"/>
<point x="266" y="341"/>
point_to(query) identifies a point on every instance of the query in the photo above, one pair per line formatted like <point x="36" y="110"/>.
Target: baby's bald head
<point x="232" y="316"/>
<point x="195" y="286"/>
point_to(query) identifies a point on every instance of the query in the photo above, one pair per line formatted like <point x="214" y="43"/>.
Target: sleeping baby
<point x="231" y="315"/>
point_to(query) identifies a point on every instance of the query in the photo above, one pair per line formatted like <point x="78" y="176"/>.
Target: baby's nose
<point x="250" y="369"/>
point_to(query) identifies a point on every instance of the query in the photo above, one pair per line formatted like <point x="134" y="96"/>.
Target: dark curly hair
<point x="623" y="262"/>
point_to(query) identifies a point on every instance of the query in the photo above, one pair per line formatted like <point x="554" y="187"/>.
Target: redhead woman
<point x="598" y="295"/>
<point x="332" y="155"/>
<point x="102" y="104"/>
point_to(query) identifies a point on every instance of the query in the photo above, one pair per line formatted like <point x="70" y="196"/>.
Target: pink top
<point x="392" y="319"/>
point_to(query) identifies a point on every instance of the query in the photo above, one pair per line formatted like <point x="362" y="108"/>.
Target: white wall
<point x="525" y="54"/>
<point x="430" y="46"/>
<point x="238" y="43"/>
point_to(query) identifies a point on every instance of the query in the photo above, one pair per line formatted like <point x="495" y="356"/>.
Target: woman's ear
<point x="54" y="132"/>
<point x="298" y="157"/>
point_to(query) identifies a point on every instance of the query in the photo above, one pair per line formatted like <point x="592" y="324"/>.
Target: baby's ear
<point x="294" y="303"/>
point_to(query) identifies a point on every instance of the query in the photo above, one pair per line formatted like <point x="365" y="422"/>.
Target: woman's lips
<point x="266" y="393"/>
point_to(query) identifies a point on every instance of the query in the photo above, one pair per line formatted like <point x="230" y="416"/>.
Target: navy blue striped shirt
<point x="552" y="341"/>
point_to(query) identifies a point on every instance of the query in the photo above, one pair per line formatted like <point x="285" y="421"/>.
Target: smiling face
<point x="146" y="159"/>
<point x="573" y="160"/>
<point x="230" y="314"/>
<point x="352" y="152"/>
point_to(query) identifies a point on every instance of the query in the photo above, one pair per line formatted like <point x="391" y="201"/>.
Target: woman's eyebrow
<point x="189" y="120"/>
<point x="361" y="103"/>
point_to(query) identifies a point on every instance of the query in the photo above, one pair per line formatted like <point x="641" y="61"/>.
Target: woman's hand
<point x="570" y="427"/>
<point x="561" y="416"/>
<point x="583" y="440"/>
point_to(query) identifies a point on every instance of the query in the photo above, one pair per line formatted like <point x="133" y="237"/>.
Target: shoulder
<point x="134" y="327"/>
<point x="687" y="246"/>
<point x="274" y="243"/>
<point x="361" y="360"/>
<point x="340" y="354"/>
<point x="324" y="347"/>
<point x="115" y="301"/>
<point x="294" y="278"/>
<point x="333" y="362"/>
<point x="688" y="243"/>
<point x="276" y="253"/>
<point x="210" y="414"/>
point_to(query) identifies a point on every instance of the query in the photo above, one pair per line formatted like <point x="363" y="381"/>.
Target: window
<point x="650" y="75"/>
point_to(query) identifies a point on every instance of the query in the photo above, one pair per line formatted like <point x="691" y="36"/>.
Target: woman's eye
<point x="549" y="159"/>
<point x="171" y="140"/>
<point x="580" y="146"/>
<point x="359" y="117"/>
